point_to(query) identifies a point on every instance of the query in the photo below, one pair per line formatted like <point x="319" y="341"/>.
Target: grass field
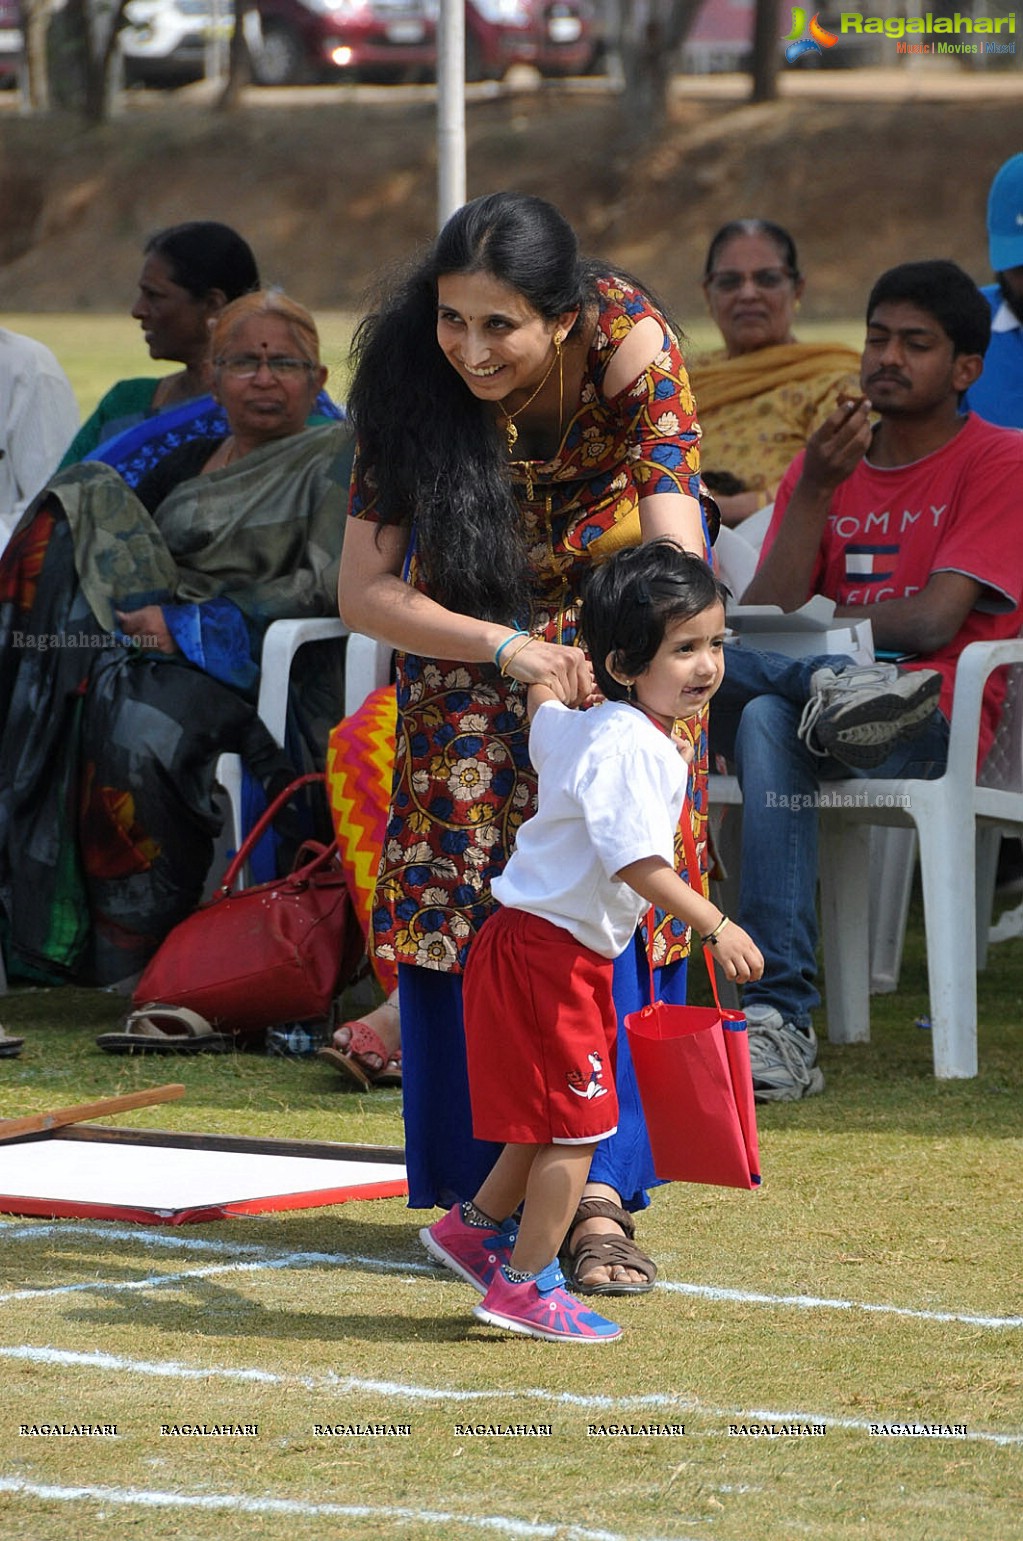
<point x="872" y="1282"/>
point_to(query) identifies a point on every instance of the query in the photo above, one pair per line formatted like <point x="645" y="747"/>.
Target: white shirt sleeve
<point x="38" y="419"/>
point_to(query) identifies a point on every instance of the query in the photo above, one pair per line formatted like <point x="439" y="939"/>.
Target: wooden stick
<point x="39" y="1123"/>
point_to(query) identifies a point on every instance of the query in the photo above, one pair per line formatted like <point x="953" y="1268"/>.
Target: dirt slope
<point x="330" y="191"/>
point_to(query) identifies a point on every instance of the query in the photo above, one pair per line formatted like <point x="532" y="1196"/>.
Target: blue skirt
<point x="445" y="1163"/>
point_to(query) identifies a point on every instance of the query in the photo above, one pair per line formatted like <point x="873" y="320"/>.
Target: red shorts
<point x="540" y="1030"/>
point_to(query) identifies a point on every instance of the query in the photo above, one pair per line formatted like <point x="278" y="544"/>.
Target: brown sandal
<point x="352" y="1062"/>
<point x="606" y="1251"/>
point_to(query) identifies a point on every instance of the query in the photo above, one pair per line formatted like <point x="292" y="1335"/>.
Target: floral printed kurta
<point x="463" y="783"/>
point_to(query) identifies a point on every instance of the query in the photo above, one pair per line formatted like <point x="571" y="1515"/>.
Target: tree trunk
<point x="766" y="51"/>
<point x="239" y="60"/>
<point x="83" y="52"/>
<point x="36" y="90"/>
<point x="648" y="37"/>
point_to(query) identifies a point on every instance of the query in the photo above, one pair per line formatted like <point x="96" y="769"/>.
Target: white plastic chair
<point x="754" y="528"/>
<point x="736" y="562"/>
<point x="367" y="665"/>
<point x="280" y="644"/>
<point x="959" y="820"/>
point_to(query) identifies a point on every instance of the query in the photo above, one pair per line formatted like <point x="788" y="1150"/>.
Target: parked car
<point x="11" y="42"/>
<point x="397" y="39"/>
<point x="166" y="42"/>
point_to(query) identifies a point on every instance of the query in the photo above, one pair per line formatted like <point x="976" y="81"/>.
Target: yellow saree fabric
<point x="758" y="410"/>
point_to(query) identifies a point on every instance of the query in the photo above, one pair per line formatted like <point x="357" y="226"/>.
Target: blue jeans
<point x="753" y="721"/>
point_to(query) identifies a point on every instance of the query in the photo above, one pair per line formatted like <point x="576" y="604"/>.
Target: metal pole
<point x="450" y="108"/>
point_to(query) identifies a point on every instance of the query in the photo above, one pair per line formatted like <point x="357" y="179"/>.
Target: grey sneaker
<point x="781" y="1057"/>
<point x="859" y="714"/>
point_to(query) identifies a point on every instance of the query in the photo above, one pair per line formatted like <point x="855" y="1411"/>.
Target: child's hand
<point x="738" y="954"/>
<point x="685" y="747"/>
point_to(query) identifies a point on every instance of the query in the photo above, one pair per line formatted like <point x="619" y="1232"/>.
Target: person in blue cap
<point x="998" y="394"/>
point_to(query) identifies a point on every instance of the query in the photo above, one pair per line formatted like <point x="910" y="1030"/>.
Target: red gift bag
<point x="693" y="1073"/>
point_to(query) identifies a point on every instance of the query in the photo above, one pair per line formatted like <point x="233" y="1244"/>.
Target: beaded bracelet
<point x="506" y="663"/>
<point x="509" y="638"/>
<point x="712" y="936"/>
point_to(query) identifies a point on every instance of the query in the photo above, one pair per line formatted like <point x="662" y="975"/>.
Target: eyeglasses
<point x="728" y="282"/>
<point x="245" y="366"/>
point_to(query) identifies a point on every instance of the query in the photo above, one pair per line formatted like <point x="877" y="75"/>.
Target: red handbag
<point x="693" y="1072"/>
<point x="278" y="952"/>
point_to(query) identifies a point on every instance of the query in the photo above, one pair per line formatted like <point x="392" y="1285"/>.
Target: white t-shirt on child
<point x="611" y="790"/>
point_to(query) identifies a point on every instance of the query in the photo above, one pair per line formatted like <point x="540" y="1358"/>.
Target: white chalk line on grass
<point x="103" y="1230"/>
<point x="260" y="1259"/>
<point x="144" y="1498"/>
<point x="346" y="1385"/>
<point x="212" y="1270"/>
<point x="336" y="1384"/>
<point x="824" y="1303"/>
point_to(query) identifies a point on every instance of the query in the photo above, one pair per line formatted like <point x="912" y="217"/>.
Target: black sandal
<point x="606" y="1251"/>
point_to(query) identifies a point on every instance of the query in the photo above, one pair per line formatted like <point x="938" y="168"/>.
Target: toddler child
<point x="539" y="1018"/>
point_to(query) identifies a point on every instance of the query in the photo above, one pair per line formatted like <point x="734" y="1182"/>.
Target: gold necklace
<point x="511" y="433"/>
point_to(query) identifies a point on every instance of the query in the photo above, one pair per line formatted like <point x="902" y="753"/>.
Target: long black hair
<point x="203" y="255"/>
<point x="429" y="452"/>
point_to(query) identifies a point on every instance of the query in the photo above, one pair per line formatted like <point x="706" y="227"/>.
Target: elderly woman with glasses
<point x="131" y="626"/>
<point x="764" y="393"/>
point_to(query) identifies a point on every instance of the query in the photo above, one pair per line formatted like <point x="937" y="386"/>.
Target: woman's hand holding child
<point x="565" y="671"/>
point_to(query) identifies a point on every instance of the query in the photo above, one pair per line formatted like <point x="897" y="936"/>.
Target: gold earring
<point x="558" y="340"/>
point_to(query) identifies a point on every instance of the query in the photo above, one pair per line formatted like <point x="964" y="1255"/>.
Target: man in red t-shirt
<point x="915" y="525"/>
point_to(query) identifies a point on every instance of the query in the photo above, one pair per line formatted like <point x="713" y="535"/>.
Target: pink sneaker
<point x="541" y="1308"/>
<point x="474" y="1254"/>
